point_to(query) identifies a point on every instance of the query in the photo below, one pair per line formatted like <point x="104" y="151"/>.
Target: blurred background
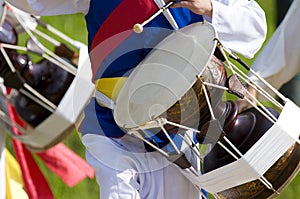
<point x="74" y="26"/>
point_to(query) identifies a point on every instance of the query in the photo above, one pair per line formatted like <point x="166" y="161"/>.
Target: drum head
<point x="165" y="75"/>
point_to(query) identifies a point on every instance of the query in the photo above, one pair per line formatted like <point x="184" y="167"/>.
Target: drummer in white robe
<point x="122" y="167"/>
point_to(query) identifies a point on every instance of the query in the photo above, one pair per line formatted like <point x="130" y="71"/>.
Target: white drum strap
<point x="276" y="141"/>
<point x="167" y="14"/>
<point x="103" y="100"/>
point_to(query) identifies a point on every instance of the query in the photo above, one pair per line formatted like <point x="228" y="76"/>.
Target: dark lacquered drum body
<point x="280" y="175"/>
<point x="243" y="130"/>
<point x="173" y="83"/>
<point x="49" y="83"/>
<point x="192" y="110"/>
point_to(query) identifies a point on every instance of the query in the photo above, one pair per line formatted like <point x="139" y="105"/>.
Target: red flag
<point x="70" y="167"/>
<point x="35" y="183"/>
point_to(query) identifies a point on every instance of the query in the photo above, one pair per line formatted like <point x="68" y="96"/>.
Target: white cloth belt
<point x="167" y="14"/>
<point x="103" y="100"/>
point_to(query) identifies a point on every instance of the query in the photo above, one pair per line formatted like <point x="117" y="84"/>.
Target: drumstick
<point x="138" y="28"/>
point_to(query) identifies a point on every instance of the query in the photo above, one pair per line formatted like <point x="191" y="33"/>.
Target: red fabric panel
<point x="117" y="27"/>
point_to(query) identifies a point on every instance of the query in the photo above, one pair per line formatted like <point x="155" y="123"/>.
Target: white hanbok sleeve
<point x="241" y="25"/>
<point x="279" y="61"/>
<point x="51" y="7"/>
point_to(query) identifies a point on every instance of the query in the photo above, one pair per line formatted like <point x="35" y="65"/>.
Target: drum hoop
<point x="125" y="121"/>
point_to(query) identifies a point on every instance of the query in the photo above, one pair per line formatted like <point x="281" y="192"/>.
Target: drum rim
<point x="295" y="149"/>
<point x="119" y="98"/>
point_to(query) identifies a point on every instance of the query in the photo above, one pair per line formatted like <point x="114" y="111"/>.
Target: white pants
<point x="124" y="170"/>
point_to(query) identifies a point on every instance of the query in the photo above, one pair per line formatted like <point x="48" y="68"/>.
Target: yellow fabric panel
<point x="13" y="175"/>
<point x="110" y="86"/>
<point x="7" y="185"/>
<point x="13" y="167"/>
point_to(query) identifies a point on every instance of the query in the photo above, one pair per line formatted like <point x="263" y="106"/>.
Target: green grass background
<point x="74" y="26"/>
